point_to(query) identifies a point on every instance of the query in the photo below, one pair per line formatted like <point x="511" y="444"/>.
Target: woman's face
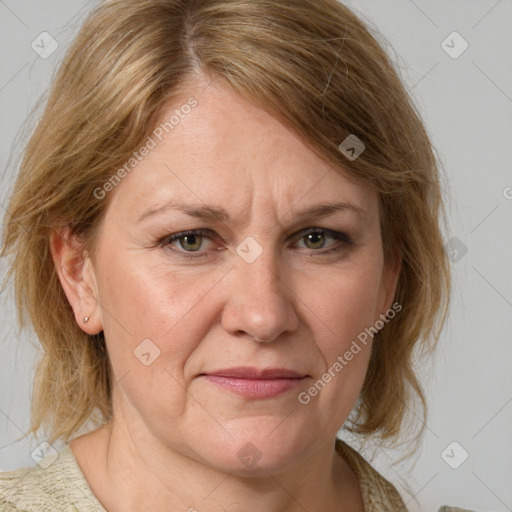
<point x="274" y="276"/>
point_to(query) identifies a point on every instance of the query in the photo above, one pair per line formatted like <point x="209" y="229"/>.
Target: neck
<point x="135" y="472"/>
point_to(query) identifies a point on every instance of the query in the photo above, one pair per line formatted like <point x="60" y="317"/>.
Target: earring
<point x="86" y="319"/>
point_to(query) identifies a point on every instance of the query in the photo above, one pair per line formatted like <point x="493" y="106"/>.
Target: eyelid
<point x="337" y="235"/>
<point x="166" y="243"/>
<point x="206" y="233"/>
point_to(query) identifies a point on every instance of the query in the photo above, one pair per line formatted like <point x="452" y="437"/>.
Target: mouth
<point x="255" y="383"/>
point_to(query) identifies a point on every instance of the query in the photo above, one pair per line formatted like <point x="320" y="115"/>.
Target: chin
<point x="256" y="451"/>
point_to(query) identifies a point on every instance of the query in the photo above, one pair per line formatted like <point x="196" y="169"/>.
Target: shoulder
<point x="9" y="482"/>
<point x="454" y="509"/>
<point x="378" y="493"/>
<point x="56" y="484"/>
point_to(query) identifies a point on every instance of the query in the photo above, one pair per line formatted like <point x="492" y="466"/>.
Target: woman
<point x="226" y="234"/>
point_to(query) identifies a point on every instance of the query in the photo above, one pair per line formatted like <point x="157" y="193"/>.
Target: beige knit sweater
<point x="62" y="487"/>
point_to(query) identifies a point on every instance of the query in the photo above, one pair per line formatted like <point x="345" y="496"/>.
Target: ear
<point x="388" y="284"/>
<point x="77" y="277"/>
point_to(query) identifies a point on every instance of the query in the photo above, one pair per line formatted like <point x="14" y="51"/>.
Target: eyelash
<point x="341" y="237"/>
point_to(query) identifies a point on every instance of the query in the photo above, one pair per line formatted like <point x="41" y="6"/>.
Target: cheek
<point x="343" y="311"/>
<point x="160" y="316"/>
<point x="154" y="318"/>
<point x="144" y="297"/>
<point x="346" y="302"/>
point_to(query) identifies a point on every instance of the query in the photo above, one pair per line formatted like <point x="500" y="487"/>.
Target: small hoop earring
<point x="86" y="319"/>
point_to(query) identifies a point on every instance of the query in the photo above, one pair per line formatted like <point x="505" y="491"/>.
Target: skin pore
<point x="319" y="281"/>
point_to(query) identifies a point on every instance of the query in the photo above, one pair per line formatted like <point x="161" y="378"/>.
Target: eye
<point x="191" y="242"/>
<point x="188" y="242"/>
<point x="317" y="238"/>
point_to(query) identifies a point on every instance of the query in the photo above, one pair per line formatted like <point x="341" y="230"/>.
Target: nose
<point x="260" y="305"/>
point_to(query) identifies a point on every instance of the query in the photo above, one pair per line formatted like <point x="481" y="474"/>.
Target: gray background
<point x="466" y="103"/>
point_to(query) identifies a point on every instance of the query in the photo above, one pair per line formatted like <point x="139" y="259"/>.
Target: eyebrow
<point x="218" y="214"/>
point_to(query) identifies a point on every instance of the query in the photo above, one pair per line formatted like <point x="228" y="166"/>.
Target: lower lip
<point x="254" y="388"/>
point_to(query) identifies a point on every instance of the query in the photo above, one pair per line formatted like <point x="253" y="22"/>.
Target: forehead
<point x="226" y="150"/>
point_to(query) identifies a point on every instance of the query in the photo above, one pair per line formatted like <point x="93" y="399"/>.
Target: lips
<point x="248" y="372"/>
<point x="255" y="383"/>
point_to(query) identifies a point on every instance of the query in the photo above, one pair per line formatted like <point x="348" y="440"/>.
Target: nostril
<point x="257" y="339"/>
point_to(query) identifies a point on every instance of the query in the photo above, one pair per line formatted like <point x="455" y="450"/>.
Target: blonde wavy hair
<point x="312" y="64"/>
